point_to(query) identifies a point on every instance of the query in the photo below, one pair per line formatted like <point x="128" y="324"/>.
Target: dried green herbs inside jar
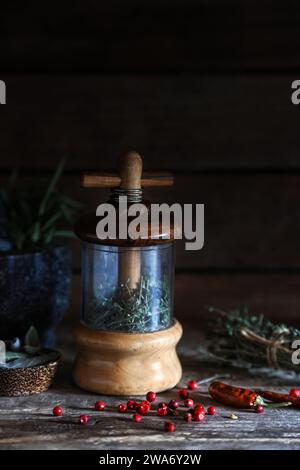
<point x="123" y="305"/>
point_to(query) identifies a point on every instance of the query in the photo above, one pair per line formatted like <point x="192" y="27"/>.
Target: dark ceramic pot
<point x="34" y="290"/>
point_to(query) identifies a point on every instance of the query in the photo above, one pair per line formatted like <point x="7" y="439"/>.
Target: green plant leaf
<point x="51" y="221"/>
<point x="49" y="236"/>
<point x="36" y="232"/>
<point x="36" y="215"/>
<point x="71" y="202"/>
<point x="52" y="185"/>
<point x="64" y="233"/>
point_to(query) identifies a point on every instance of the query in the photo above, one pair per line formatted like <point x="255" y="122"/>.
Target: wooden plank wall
<point x="196" y="86"/>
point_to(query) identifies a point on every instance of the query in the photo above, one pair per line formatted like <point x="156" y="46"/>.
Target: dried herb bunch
<point x="32" y="216"/>
<point x="241" y="339"/>
<point x="141" y="310"/>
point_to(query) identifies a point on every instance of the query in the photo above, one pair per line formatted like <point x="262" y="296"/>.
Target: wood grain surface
<point x="27" y="423"/>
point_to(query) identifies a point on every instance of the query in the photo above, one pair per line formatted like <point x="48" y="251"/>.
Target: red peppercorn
<point x="131" y="404"/>
<point x="142" y="409"/>
<point x="211" y="410"/>
<point x="162" y="411"/>
<point x="183" y="393"/>
<point x="122" y="408"/>
<point x="173" y="404"/>
<point x="100" y="405"/>
<point x="192" y="385"/>
<point x="259" y="409"/>
<point x="198" y="416"/>
<point x="146" y="403"/>
<point x="83" y="419"/>
<point x="199" y="408"/>
<point x="162" y="404"/>
<point x="137" y="418"/>
<point x="151" y="396"/>
<point x="169" y="427"/>
<point x="294" y="392"/>
<point x="189" y="402"/>
<point x="188" y="417"/>
<point x="57" y="411"/>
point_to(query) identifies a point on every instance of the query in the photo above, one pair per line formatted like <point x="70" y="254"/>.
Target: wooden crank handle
<point x="112" y="180"/>
<point x="130" y="176"/>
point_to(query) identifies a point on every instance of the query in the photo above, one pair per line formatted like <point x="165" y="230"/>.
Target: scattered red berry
<point x="189" y="402"/>
<point x="100" y="405"/>
<point x="142" y="409"/>
<point x="188" y="417"/>
<point x="146" y="403"/>
<point x="122" y="408"/>
<point x="183" y="393"/>
<point x="57" y="411"/>
<point x="192" y="385"/>
<point x="162" y="404"/>
<point x="199" y="408"/>
<point x="173" y="404"/>
<point x="169" y="427"/>
<point x="83" y="419"/>
<point x="259" y="409"/>
<point x="199" y="416"/>
<point x="151" y="396"/>
<point x="162" y="411"/>
<point x="131" y="404"/>
<point x="295" y="393"/>
<point x="211" y="410"/>
<point x="137" y="418"/>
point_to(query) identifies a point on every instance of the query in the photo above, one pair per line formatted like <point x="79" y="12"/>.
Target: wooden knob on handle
<point x="130" y="170"/>
<point x="130" y="176"/>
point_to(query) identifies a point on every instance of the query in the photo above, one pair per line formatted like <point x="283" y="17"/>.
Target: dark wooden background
<point x="196" y="86"/>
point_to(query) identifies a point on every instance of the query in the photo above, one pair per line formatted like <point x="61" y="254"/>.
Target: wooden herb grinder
<point x="127" y="337"/>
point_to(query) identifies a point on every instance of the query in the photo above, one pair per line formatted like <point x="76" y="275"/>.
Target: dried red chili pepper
<point x="234" y="396"/>
<point x="279" y="397"/>
<point x="239" y="397"/>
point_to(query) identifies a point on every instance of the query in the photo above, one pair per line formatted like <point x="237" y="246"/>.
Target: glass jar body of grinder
<point x="127" y="289"/>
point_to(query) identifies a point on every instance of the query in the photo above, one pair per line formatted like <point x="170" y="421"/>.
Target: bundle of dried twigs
<point x="241" y="339"/>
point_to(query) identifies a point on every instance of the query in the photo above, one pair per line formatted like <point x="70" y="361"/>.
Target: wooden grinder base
<point x="127" y="363"/>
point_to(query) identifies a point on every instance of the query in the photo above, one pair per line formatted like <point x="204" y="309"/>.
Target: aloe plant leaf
<point x="64" y="233"/>
<point x="50" y="235"/>
<point x="36" y="215"/>
<point x="71" y="202"/>
<point x="52" y="185"/>
<point x="51" y="221"/>
<point x="36" y="232"/>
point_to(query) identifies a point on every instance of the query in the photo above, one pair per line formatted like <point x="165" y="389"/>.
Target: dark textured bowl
<point x="25" y="381"/>
<point x="34" y="290"/>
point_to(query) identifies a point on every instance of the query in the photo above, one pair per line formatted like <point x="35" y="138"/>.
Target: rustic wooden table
<point x="27" y="423"/>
